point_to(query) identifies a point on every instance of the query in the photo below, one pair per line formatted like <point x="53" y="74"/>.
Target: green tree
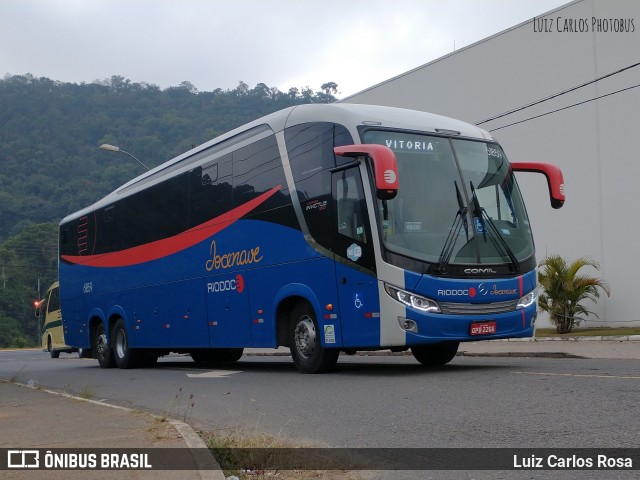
<point x="27" y="262"/>
<point x="51" y="165"/>
<point x="329" y="88"/>
<point x="565" y="290"/>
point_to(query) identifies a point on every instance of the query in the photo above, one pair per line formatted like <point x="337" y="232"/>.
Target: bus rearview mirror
<point x="555" y="179"/>
<point x="385" y="166"/>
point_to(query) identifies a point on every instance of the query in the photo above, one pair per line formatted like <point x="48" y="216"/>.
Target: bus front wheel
<point x="435" y="354"/>
<point x="102" y="349"/>
<point x="304" y="341"/>
<point x="52" y="352"/>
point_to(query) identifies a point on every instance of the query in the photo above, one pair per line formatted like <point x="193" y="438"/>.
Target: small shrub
<point x="565" y="290"/>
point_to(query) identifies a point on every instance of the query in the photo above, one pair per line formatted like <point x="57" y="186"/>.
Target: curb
<point x="208" y="467"/>
<point x="284" y="352"/>
<point x="575" y="338"/>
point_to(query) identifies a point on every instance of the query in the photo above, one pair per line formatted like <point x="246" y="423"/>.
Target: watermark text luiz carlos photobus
<point x="560" y="24"/>
<point x="322" y="459"/>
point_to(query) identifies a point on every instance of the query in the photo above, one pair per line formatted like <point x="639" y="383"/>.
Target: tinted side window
<point x="158" y="212"/>
<point x="187" y="200"/>
<point x="210" y="190"/>
<point x="165" y="207"/>
<point x="353" y="239"/>
<point x="77" y="237"/>
<point x="310" y="149"/>
<point x="351" y="209"/>
<point x="54" y="300"/>
<point x="257" y="168"/>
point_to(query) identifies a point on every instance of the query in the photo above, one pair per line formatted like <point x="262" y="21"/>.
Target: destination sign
<point x="404" y="143"/>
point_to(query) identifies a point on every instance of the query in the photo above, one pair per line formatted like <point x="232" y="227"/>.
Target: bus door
<point x="355" y="261"/>
<point x="228" y="311"/>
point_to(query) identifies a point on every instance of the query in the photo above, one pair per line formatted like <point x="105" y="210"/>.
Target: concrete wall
<point x="596" y="143"/>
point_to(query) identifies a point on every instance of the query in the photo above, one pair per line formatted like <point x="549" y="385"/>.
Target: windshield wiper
<point x="497" y="239"/>
<point x="458" y="223"/>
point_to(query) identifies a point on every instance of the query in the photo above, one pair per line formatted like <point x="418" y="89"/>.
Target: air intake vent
<point x="477" y="308"/>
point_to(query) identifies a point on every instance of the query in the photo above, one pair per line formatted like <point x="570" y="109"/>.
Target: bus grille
<point x="477" y="308"/>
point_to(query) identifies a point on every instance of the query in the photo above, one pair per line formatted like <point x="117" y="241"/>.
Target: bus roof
<point x="349" y="115"/>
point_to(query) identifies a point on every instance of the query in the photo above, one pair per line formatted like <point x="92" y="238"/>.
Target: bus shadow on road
<point x="378" y="367"/>
<point x="396" y="370"/>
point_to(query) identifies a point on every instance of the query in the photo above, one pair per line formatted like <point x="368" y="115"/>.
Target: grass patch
<point x="87" y="393"/>
<point x="161" y="429"/>
<point x="14" y="377"/>
<point x="179" y="408"/>
<point x="225" y="446"/>
<point x="588" y="332"/>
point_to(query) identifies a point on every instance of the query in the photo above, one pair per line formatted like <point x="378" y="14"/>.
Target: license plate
<point x="483" y="328"/>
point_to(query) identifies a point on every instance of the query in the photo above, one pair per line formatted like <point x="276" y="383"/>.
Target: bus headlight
<point x="412" y="300"/>
<point x="529" y="299"/>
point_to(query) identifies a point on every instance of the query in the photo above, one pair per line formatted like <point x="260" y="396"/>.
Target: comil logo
<point x="480" y="271"/>
<point x="390" y="176"/>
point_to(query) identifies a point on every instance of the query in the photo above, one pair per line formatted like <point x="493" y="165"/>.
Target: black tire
<point x="102" y="348"/>
<point x="232" y="355"/>
<point x="125" y="357"/>
<point x="304" y="342"/>
<point x="215" y="356"/>
<point x="85" y="353"/>
<point x="53" y="353"/>
<point x="435" y="354"/>
<point x="200" y="356"/>
<point x="148" y="358"/>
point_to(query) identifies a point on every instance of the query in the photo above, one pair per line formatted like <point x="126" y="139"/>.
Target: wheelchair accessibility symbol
<point x="357" y="300"/>
<point x="479" y="224"/>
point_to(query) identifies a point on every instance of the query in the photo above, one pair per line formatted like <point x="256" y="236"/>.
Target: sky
<point x="219" y="43"/>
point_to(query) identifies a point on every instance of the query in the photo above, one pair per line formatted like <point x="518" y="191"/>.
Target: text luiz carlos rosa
<point x="574" y="461"/>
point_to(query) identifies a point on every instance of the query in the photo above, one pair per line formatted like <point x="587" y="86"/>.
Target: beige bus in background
<point x="48" y="309"/>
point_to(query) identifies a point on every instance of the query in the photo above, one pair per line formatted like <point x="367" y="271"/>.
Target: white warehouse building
<point x="562" y="88"/>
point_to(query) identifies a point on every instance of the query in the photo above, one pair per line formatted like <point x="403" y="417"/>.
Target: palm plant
<point x="565" y="289"/>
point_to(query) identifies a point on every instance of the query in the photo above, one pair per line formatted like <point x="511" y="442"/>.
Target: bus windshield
<point x="457" y="202"/>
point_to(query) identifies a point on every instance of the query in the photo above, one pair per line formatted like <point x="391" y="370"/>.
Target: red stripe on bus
<point x="520" y="284"/>
<point x="169" y="246"/>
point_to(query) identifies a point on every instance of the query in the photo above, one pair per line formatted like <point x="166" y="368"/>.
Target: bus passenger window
<point x="351" y="218"/>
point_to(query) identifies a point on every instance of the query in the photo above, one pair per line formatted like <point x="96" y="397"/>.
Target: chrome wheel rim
<point x="121" y="344"/>
<point x="305" y="337"/>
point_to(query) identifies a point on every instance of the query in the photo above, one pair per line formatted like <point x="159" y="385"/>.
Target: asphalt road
<point x="376" y="401"/>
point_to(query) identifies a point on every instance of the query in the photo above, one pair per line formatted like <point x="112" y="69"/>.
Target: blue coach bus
<point x="322" y="228"/>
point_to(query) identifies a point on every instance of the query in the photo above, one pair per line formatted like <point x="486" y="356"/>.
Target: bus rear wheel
<point x="102" y="349"/>
<point x="125" y="356"/>
<point x="435" y="354"/>
<point x="304" y="342"/>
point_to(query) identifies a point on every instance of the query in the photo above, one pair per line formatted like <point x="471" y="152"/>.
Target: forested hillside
<point x="51" y="164"/>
